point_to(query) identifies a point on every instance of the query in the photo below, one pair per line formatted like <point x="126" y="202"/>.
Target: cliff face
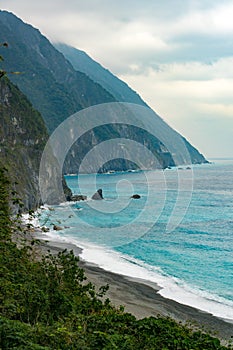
<point x="22" y="139"/>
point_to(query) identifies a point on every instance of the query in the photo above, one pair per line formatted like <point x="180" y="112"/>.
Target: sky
<point x="177" y="54"/>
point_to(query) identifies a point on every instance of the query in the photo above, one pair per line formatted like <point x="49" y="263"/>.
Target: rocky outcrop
<point x="77" y="198"/>
<point x="136" y="196"/>
<point x="57" y="228"/>
<point x="23" y="136"/>
<point x="98" y="195"/>
<point x="22" y="139"/>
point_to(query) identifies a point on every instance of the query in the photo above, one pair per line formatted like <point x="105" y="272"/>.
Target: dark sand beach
<point x="141" y="297"/>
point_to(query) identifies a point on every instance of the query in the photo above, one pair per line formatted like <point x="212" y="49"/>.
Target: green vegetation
<point x="47" y="303"/>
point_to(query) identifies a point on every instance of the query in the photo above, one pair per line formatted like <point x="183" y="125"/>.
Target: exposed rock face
<point x="66" y="189"/>
<point x="22" y="139"/>
<point x="23" y="136"/>
<point x="98" y="195"/>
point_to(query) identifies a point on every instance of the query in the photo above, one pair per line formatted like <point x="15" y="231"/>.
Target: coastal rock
<point x="67" y="190"/>
<point x="44" y="229"/>
<point x="57" y="228"/>
<point x="98" y="195"/>
<point x="135" y="196"/>
<point x="78" y="197"/>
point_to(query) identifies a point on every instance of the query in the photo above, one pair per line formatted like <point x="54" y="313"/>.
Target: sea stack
<point x="98" y="195"/>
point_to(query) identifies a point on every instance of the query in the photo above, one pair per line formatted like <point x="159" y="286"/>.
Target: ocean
<point x="179" y="234"/>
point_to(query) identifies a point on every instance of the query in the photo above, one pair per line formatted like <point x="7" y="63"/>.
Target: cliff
<point x="23" y="136"/>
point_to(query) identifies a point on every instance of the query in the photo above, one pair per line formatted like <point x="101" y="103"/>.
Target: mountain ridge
<point x="47" y="79"/>
<point x="58" y="91"/>
<point x="118" y="88"/>
<point x="82" y="62"/>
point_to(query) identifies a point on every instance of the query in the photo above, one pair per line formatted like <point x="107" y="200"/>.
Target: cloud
<point x="218" y="109"/>
<point x="193" y="80"/>
<point x="145" y="33"/>
<point x="194" y="98"/>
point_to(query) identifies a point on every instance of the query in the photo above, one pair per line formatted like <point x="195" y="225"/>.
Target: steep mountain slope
<point x="84" y="63"/>
<point x="22" y="139"/>
<point x="57" y="91"/>
<point x="118" y="88"/>
<point x="47" y="79"/>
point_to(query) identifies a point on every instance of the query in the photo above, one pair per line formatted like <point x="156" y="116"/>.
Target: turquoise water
<point x="192" y="262"/>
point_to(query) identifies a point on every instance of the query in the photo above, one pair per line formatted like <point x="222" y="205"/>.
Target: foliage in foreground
<point x="48" y="304"/>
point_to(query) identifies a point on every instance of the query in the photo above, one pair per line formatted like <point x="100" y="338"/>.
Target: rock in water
<point x="135" y="196"/>
<point x="78" y="197"/>
<point x="57" y="228"/>
<point x="98" y="194"/>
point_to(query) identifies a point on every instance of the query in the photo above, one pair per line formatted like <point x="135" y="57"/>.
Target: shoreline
<point x="140" y="297"/>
